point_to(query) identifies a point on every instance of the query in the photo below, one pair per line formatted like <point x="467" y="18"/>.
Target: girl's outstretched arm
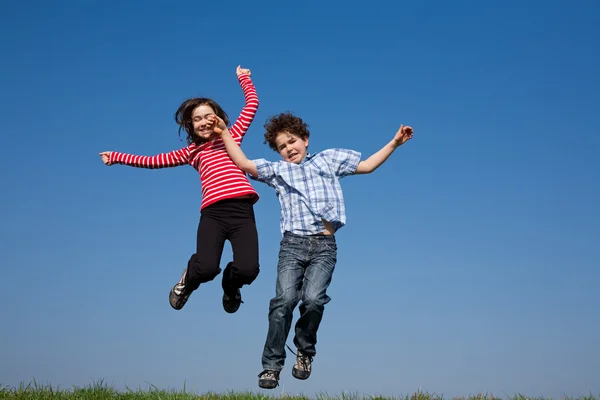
<point x="241" y="125"/>
<point x="164" y="160"/>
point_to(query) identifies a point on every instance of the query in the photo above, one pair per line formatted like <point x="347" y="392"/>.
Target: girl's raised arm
<point x="241" y="125"/>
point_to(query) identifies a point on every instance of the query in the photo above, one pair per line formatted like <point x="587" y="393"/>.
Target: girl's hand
<point x="241" y="71"/>
<point x="105" y="155"/>
<point x="218" y="125"/>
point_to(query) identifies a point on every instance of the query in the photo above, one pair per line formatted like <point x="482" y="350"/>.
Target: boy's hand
<point x="241" y="71"/>
<point x="105" y="155"/>
<point x="218" y="125"/>
<point x="404" y="134"/>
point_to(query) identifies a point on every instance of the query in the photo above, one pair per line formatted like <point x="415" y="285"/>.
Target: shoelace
<point x="303" y="359"/>
<point x="237" y="296"/>
<point x="267" y="374"/>
<point x="179" y="289"/>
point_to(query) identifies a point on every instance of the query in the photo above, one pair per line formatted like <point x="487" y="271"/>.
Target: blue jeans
<point x="304" y="271"/>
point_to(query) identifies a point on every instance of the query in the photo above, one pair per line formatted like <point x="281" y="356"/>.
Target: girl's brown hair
<point x="183" y="116"/>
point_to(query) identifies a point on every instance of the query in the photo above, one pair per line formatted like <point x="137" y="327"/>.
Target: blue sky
<point x="470" y="259"/>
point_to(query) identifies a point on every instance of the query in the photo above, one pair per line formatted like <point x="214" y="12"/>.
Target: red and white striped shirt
<point x="220" y="178"/>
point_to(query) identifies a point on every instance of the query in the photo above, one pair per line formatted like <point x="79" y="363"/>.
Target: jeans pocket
<point x="330" y="245"/>
<point x="289" y="241"/>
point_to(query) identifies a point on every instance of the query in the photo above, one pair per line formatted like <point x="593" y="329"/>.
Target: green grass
<point x="101" y="391"/>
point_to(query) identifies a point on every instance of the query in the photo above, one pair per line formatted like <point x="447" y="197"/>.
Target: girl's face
<point x="202" y="124"/>
<point x="292" y="148"/>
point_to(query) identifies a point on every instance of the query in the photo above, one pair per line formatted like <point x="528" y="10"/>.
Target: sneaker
<point x="303" y="366"/>
<point x="178" y="295"/>
<point x="231" y="299"/>
<point x="268" y="379"/>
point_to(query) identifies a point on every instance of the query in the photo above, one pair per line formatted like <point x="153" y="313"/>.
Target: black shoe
<point x="231" y="303"/>
<point x="268" y="379"/>
<point x="232" y="298"/>
<point x="303" y="366"/>
<point x="179" y="295"/>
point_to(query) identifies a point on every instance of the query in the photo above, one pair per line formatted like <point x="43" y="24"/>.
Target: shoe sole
<point x="267" y="384"/>
<point x="302" y="375"/>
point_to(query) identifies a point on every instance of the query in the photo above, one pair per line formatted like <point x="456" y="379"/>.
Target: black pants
<point x="232" y="220"/>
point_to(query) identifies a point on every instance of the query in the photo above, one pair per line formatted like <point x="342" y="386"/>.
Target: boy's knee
<point x="288" y="298"/>
<point x="314" y="300"/>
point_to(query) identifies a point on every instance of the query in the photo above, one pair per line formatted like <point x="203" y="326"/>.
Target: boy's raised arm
<point x="369" y="165"/>
<point x="235" y="152"/>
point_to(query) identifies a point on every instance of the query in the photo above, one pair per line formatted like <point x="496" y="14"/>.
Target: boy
<point x="312" y="210"/>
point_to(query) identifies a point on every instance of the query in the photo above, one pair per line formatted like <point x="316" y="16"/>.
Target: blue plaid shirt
<point x="310" y="191"/>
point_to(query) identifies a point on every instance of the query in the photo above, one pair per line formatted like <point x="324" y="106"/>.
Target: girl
<point x="227" y="209"/>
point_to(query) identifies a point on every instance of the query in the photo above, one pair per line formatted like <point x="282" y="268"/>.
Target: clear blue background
<point x="470" y="259"/>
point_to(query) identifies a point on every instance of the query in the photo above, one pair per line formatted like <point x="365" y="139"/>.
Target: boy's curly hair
<point x="183" y="116"/>
<point x="284" y="122"/>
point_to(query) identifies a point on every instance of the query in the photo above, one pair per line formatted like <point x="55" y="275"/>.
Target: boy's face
<point x="202" y="124"/>
<point x="291" y="147"/>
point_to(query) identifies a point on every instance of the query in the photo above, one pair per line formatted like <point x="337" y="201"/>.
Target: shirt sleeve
<point x="164" y="160"/>
<point x="267" y="171"/>
<point x="343" y="161"/>
<point x="241" y="125"/>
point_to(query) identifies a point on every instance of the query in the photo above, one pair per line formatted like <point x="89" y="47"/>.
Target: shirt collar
<point x="306" y="158"/>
